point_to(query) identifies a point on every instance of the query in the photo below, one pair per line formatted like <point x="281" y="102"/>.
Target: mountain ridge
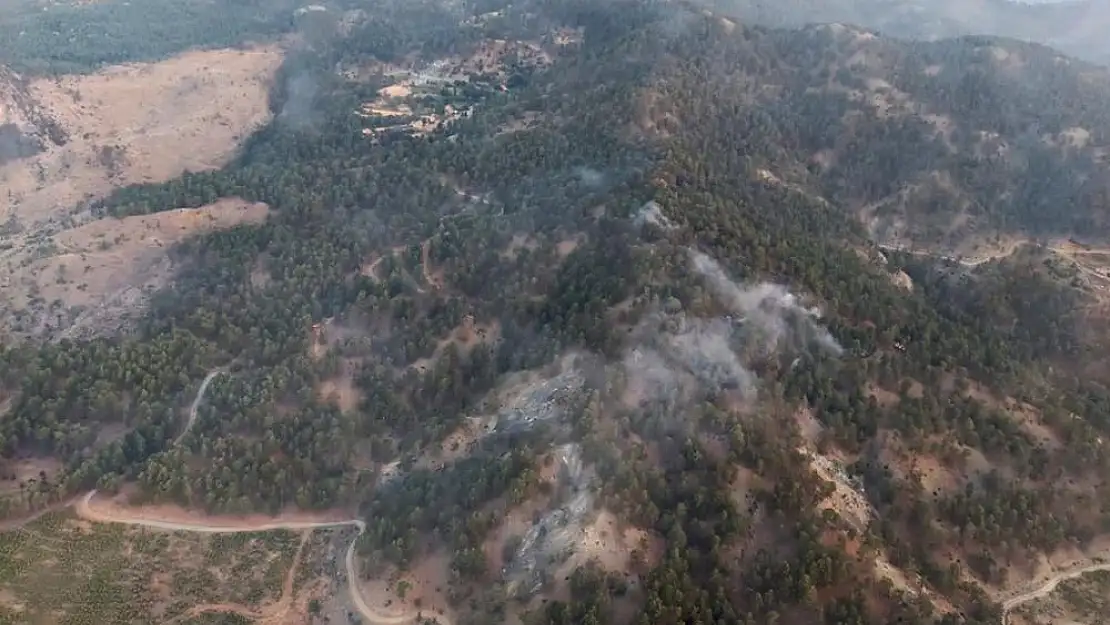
<point x="1074" y="27"/>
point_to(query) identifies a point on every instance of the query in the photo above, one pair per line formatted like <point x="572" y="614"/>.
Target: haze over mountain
<point x="545" y="312"/>
<point x="1076" y="27"/>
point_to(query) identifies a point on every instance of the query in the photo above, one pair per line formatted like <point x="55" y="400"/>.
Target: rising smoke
<point x="652" y="213"/>
<point x="14" y="144"/>
<point x="769" y="312"/>
<point x="299" y="107"/>
<point x="674" y="358"/>
<point x="590" y="177"/>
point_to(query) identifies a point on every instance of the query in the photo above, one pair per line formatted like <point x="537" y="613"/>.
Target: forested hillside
<point x="530" y="267"/>
<point x="40" y="37"/>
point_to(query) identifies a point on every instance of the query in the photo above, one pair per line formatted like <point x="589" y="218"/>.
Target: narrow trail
<point x="196" y="403"/>
<point x="275" y="614"/>
<point x="969" y="262"/>
<point x="1047" y="587"/>
<point x="85" y="510"/>
<point x="287" y="599"/>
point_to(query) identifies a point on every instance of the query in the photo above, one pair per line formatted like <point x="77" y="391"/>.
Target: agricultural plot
<point x="60" y="569"/>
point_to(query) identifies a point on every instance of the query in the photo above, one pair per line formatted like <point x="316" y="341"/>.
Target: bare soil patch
<point x="935" y="477"/>
<point x="514" y="525"/>
<point x="882" y="396"/>
<point x="847" y="500"/>
<point x="1027" y="416"/>
<point x="423" y="588"/>
<point x="432" y="277"/>
<point x="1082" y="600"/>
<point x="140" y="123"/>
<point x="902" y="280"/>
<point x="468" y="335"/>
<point x="95" y="273"/>
<point x="517" y="243"/>
<point x="566" y="247"/>
<point x="281" y="611"/>
<point x="25" y="471"/>
<point x="457" y="445"/>
<point x="126" y="124"/>
<point x="616" y="546"/>
<point x="10" y="602"/>
<point x="341" y="388"/>
<point x="370" y="269"/>
<point x="808" y="425"/>
<point x="103" y="509"/>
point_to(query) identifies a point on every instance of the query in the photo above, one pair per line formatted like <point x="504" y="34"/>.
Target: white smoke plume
<point x="678" y="353"/>
<point x="300" y="110"/>
<point x="674" y="359"/>
<point x="652" y="213"/>
<point x="590" y="177"/>
<point x="704" y="348"/>
<point x="770" y="313"/>
<point x="650" y="378"/>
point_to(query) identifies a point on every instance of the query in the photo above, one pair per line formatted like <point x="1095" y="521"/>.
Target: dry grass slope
<point x="126" y="124"/>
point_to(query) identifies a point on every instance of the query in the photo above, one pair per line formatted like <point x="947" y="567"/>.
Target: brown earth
<point x="187" y="113"/>
<point x="100" y="270"/>
<point x="341" y="388"/>
<point x="425" y="590"/>
<point x="126" y="124"/>
<point x="283" y="611"/>
<point x="115" y="509"/>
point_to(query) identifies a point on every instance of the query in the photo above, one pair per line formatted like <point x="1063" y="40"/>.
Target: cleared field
<point x="96" y="274"/>
<point x="139" y="123"/>
<point x="61" y="569"/>
<point x="126" y="124"/>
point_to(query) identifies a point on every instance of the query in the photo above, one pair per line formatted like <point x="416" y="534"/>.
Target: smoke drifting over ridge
<point x="769" y="311"/>
<point x="676" y="353"/>
<point x="675" y="357"/>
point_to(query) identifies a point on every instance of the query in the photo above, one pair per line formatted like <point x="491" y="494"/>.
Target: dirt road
<point x="277" y="614"/>
<point x="85" y="510"/>
<point x="1047" y="587"/>
<point x="969" y="262"/>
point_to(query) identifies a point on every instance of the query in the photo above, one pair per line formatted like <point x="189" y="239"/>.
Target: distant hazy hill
<point x="1077" y="28"/>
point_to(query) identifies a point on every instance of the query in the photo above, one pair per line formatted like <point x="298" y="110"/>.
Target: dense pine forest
<point x="548" y="234"/>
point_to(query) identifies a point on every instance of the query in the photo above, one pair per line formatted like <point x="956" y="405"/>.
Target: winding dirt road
<point x="1046" y="588"/>
<point x="85" y="510"/>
